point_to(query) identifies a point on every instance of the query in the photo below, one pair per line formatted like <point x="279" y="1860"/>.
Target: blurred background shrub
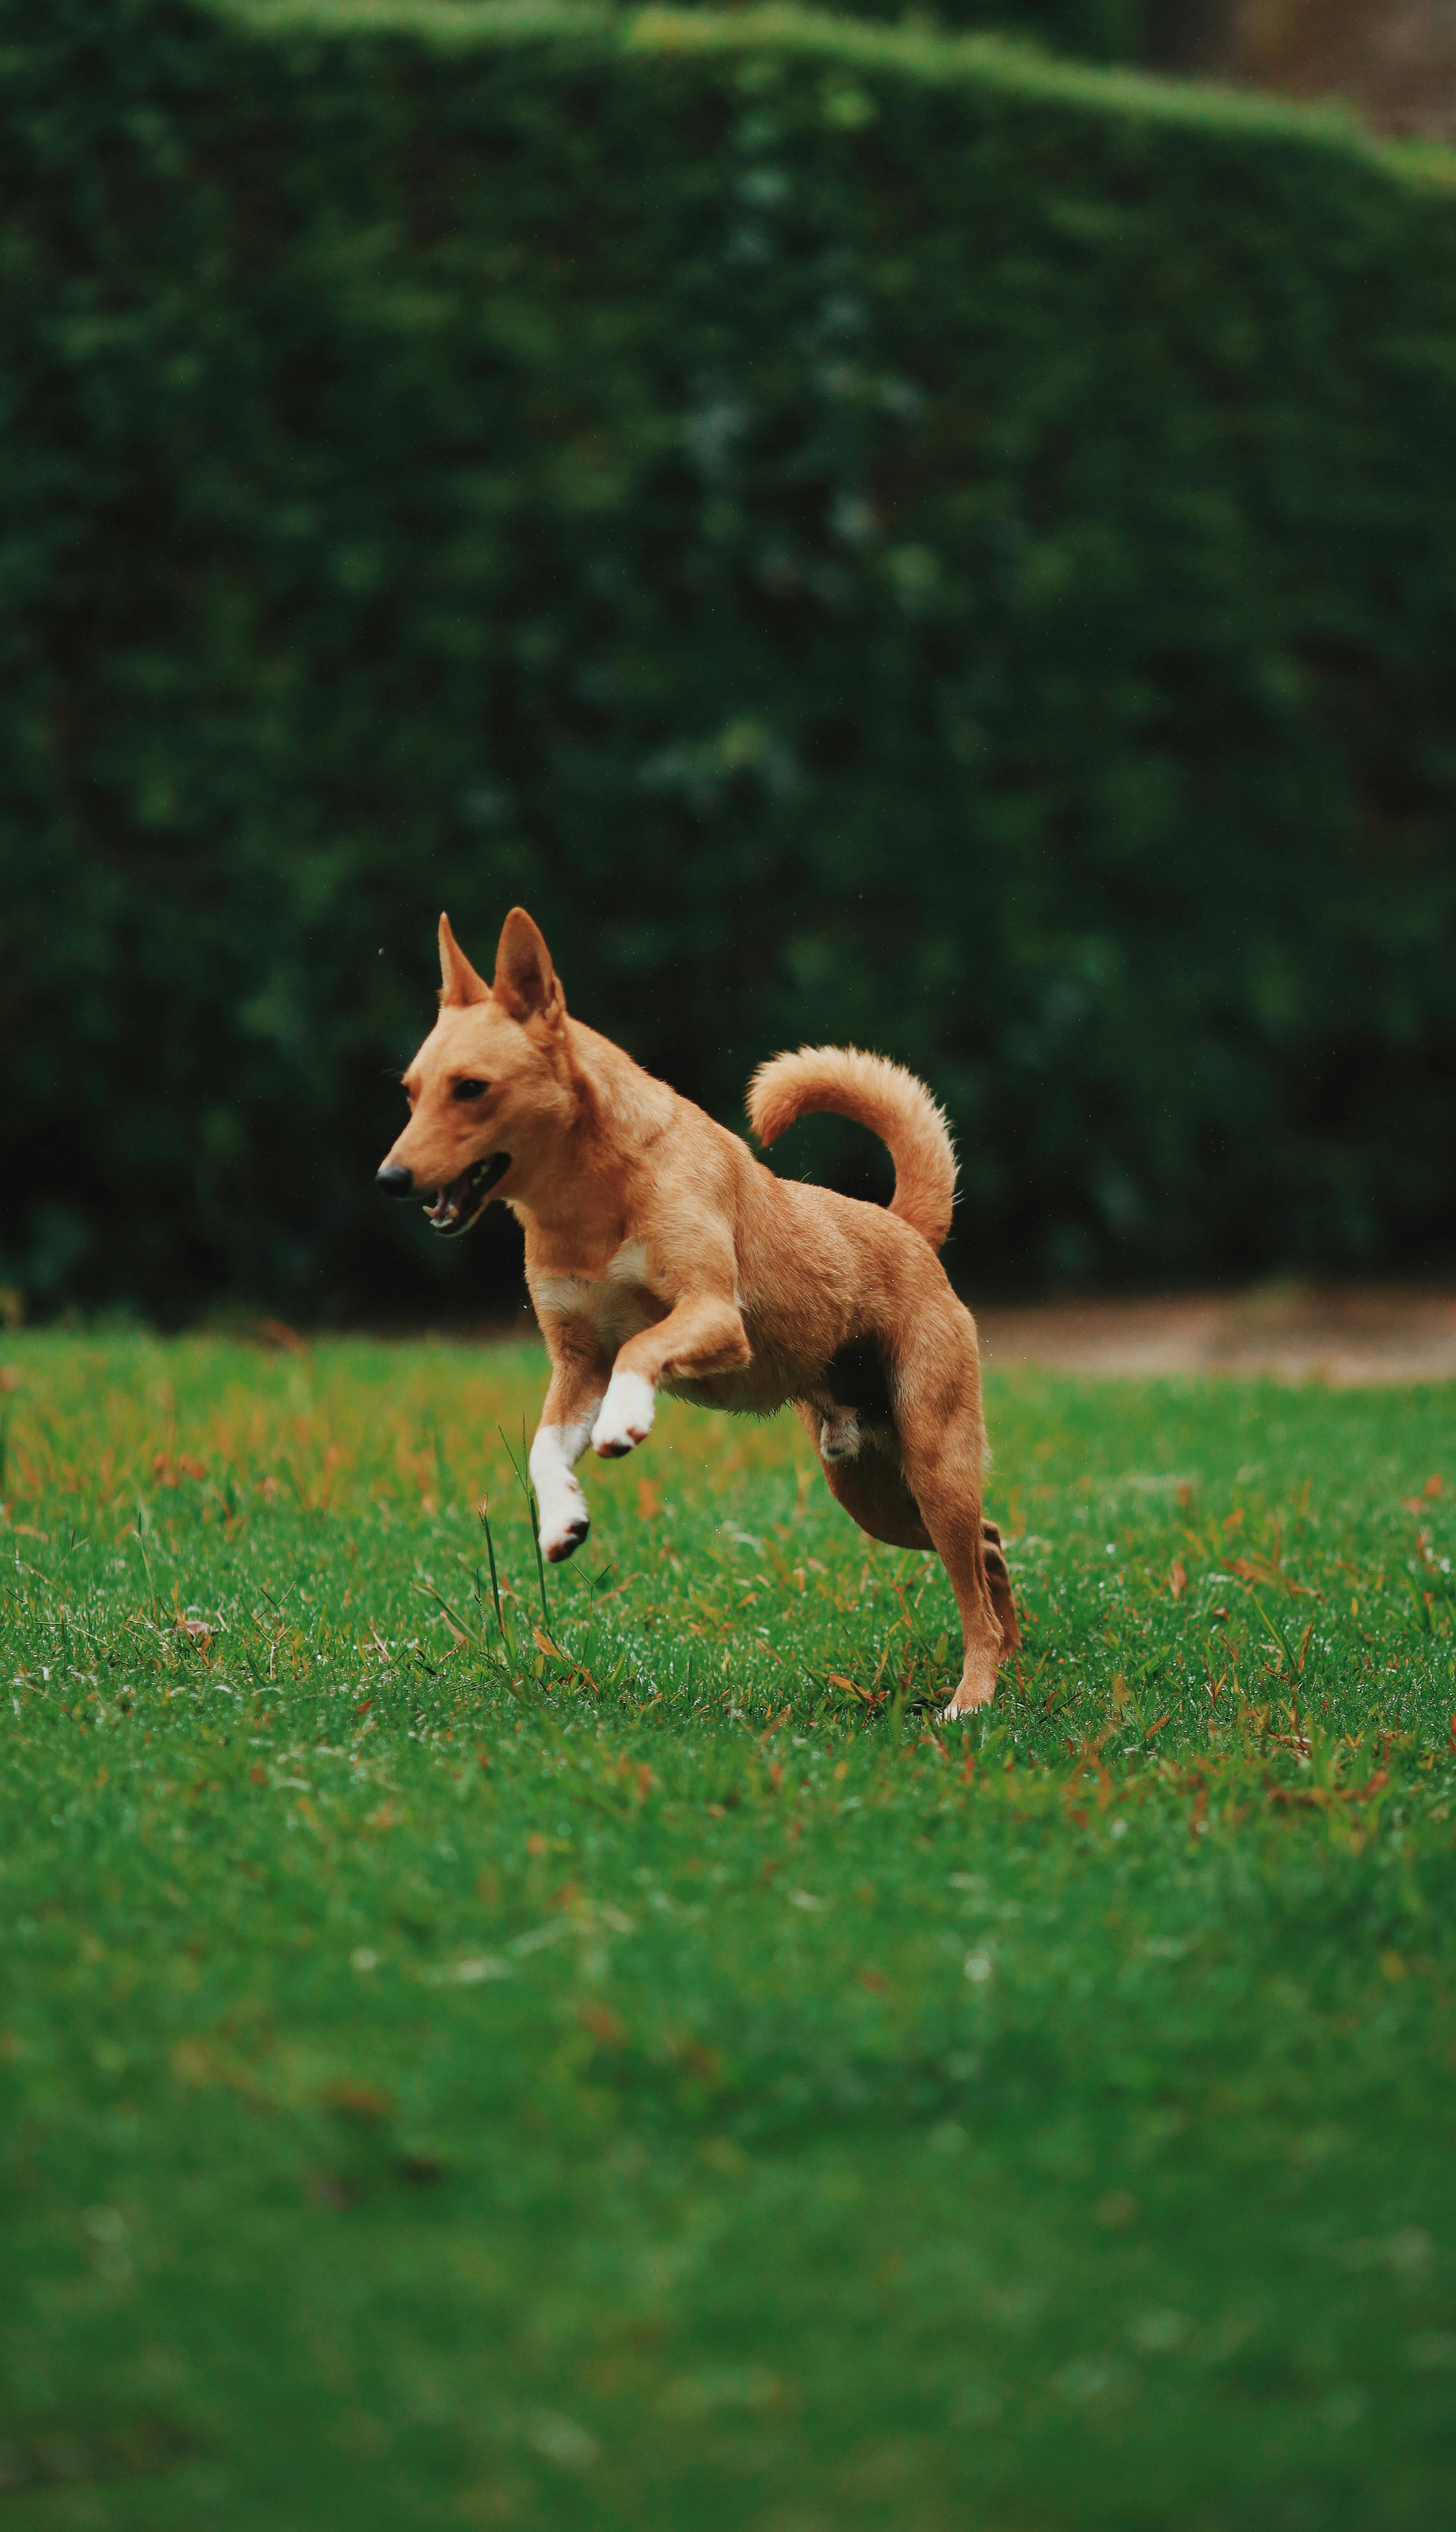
<point x="869" y="536"/>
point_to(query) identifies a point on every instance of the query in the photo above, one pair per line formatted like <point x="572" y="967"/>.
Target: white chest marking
<point x="610" y="1300"/>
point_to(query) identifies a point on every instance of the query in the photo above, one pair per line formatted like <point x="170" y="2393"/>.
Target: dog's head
<point x="490" y="1090"/>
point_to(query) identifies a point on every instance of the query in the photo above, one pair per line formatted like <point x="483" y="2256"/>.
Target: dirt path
<point x="1346" y="1334"/>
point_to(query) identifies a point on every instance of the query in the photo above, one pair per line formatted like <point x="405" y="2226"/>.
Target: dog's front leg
<point x="702" y="1336"/>
<point x="561" y="1436"/>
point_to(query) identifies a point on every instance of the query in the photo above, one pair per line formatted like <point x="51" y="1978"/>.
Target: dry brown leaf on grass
<point x="605" y="2025"/>
<point x="356" y="2100"/>
<point x="837" y="1678"/>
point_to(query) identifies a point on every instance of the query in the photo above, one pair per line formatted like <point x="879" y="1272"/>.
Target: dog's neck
<point x="576" y="1206"/>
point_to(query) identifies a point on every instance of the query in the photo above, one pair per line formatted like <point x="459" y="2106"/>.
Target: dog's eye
<point x="470" y="1089"/>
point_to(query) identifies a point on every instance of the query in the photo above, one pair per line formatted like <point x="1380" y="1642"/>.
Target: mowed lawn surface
<point x="640" y="2068"/>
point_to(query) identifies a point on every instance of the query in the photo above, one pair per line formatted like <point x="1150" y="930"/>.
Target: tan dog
<point x="660" y="1254"/>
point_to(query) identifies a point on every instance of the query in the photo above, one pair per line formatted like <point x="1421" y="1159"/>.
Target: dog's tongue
<point x="456" y="1206"/>
<point x="446" y="1206"/>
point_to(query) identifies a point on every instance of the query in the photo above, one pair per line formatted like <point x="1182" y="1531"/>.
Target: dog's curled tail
<point x="875" y="1093"/>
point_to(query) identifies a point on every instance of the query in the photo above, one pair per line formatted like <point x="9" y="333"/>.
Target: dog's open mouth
<point x="464" y="1200"/>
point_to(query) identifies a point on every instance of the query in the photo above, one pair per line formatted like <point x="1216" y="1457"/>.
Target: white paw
<point x="564" y="1521"/>
<point x="561" y="1505"/>
<point x="627" y="1416"/>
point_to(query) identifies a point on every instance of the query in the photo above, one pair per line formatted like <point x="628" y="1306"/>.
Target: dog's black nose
<point x="395" y="1180"/>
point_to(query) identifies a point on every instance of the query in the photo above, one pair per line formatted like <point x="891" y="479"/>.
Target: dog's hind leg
<point x="871" y="1488"/>
<point x="998" y="1577"/>
<point x="937" y="1390"/>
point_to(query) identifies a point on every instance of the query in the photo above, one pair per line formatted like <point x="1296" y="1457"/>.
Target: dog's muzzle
<point x="461" y="1205"/>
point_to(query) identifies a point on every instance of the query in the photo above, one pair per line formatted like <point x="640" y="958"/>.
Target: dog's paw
<point x="564" y="1535"/>
<point x="564" y="1518"/>
<point x="627" y="1416"/>
<point x="967" y="1699"/>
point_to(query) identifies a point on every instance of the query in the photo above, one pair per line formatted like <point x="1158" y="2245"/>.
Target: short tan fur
<point x="661" y="1255"/>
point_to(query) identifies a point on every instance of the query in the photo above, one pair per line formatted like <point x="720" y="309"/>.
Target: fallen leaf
<point x="362" y="2101"/>
<point x="603" y="2024"/>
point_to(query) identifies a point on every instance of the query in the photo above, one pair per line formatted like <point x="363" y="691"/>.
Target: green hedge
<point x="869" y="536"/>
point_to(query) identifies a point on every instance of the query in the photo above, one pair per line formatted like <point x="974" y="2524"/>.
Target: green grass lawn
<point x="633" y="2065"/>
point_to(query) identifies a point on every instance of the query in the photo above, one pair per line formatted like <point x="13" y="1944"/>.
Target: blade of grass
<point x="485" y="1520"/>
<point x="145" y="1559"/>
<point x="1278" y="1636"/>
<point x="529" y="1492"/>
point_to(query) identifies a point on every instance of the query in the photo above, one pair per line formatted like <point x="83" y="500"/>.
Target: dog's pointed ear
<point x="458" y="982"/>
<point x="526" y="983"/>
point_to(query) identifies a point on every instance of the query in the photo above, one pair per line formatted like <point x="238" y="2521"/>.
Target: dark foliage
<point x="868" y="537"/>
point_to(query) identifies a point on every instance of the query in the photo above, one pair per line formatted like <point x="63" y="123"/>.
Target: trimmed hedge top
<point x="1099" y="29"/>
<point x="999" y="55"/>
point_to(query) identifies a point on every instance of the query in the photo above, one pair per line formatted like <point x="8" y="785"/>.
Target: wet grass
<point x="616" y="2059"/>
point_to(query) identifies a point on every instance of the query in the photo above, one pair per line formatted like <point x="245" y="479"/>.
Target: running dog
<point x="660" y="1254"/>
